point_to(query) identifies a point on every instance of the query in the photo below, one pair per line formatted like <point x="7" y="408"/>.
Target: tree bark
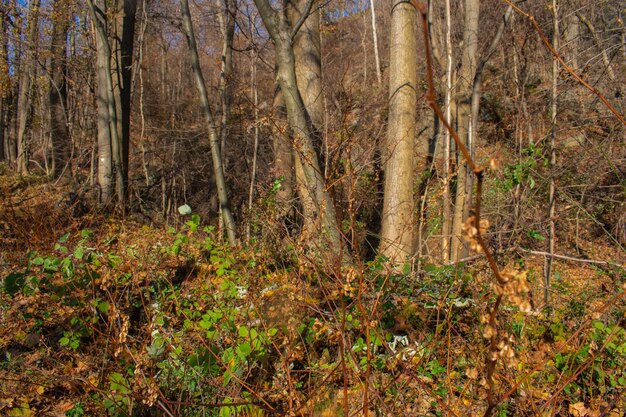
<point x="397" y="236"/>
<point x="109" y="147"/>
<point x="59" y="132"/>
<point x="325" y="234"/>
<point x="24" y="101"/>
<point x="458" y="249"/>
<point x="222" y="193"/>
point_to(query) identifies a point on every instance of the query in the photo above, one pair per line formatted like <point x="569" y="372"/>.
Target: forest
<point x="312" y="208"/>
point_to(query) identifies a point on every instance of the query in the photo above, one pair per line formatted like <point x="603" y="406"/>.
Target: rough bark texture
<point x="59" y="133"/>
<point x="398" y="207"/>
<point x="229" y="222"/>
<point x="458" y="249"/>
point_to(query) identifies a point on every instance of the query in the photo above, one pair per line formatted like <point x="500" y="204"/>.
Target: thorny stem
<point x="491" y="358"/>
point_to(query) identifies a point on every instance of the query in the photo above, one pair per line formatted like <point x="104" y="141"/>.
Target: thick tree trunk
<point x="325" y="236"/>
<point x="59" y="132"/>
<point x="106" y="180"/>
<point x="398" y="207"/>
<point x="124" y="72"/>
<point x="229" y="222"/>
<point x="308" y="62"/>
<point x="283" y="157"/>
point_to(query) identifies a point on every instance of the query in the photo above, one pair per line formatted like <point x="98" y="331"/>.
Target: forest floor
<point x="103" y="316"/>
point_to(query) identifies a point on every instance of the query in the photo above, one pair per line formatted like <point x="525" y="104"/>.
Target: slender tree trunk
<point x="229" y="222"/>
<point x="59" y="132"/>
<point x="5" y="86"/>
<point x="397" y="237"/>
<point x="447" y="220"/>
<point x="379" y="76"/>
<point x="24" y="100"/>
<point x="553" y="115"/>
<point x="227" y="27"/>
<point x="466" y="75"/>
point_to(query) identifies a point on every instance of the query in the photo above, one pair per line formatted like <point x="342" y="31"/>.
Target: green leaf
<point x="64" y="238"/>
<point x="79" y="252"/>
<point x="103" y="306"/>
<point x="244" y="350"/>
<point x="86" y="234"/>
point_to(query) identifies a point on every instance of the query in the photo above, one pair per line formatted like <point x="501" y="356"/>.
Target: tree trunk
<point x="398" y="207"/>
<point x="58" y="91"/>
<point x="458" y="249"/>
<point x="229" y="222"/>
<point x="445" y="199"/>
<point x="553" y="114"/>
<point x="124" y="85"/>
<point x="283" y="157"/>
<point x="325" y="235"/>
<point x="24" y="104"/>
<point x="109" y="145"/>
<point x="307" y="53"/>
<point x="379" y="76"/>
<point x="5" y="87"/>
<point x="227" y="27"/>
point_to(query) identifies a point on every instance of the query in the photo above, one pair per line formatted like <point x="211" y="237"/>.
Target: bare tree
<point x="218" y="169"/>
<point x="320" y="217"/>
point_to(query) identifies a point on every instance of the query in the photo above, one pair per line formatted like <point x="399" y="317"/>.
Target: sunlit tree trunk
<point x="397" y="236"/>
<point x="218" y="169"/>
<point x="379" y="76"/>
<point x="59" y="132"/>
<point x="28" y="71"/>
<point x="308" y="65"/>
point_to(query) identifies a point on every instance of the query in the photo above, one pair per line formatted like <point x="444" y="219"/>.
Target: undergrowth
<point x="126" y="320"/>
